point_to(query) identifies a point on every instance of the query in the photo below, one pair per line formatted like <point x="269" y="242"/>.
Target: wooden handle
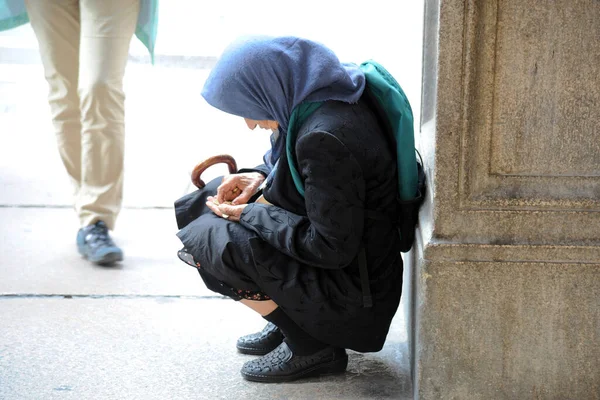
<point x="199" y="169"/>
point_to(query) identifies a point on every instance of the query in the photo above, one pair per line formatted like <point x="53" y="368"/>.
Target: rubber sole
<point x="255" y="352"/>
<point x="108" y="258"/>
<point x="330" y="368"/>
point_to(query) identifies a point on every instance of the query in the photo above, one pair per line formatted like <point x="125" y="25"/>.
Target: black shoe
<point x="281" y="365"/>
<point x="94" y="243"/>
<point x="262" y="342"/>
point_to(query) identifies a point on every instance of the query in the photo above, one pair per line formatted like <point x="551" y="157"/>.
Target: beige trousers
<point x="84" y="46"/>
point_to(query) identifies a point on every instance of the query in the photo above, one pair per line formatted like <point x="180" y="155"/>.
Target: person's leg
<point x="56" y="26"/>
<point x="269" y="338"/>
<point x="299" y="356"/>
<point x="264" y="341"/>
<point x="296" y="338"/>
<point x="107" y="28"/>
<point x="264" y="307"/>
<point x="300" y="342"/>
<point x="258" y="343"/>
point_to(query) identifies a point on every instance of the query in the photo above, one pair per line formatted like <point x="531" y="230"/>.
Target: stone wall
<point x="506" y="267"/>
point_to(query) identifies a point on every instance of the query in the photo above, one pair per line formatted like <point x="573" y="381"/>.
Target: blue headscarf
<point x="265" y="78"/>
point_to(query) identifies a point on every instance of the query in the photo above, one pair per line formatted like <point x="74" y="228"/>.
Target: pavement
<point x="148" y="328"/>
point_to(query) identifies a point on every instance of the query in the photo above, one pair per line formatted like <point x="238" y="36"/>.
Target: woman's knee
<point x="103" y="95"/>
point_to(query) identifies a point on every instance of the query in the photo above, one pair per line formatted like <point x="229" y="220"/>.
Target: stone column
<point x="506" y="268"/>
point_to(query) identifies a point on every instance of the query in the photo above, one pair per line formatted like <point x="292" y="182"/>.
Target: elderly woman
<point x="295" y="258"/>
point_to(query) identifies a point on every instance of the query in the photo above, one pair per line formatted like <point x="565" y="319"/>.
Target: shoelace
<point x="100" y="235"/>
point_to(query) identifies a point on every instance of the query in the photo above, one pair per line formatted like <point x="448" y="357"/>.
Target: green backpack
<point x="388" y="101"/>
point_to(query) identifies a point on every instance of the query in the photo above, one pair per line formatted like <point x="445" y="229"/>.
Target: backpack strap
<point x="299" y="115"/>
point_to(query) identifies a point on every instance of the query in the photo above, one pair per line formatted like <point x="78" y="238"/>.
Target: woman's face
<point x="264" y="124"/>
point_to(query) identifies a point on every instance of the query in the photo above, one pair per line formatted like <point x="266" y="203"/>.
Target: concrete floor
<point x="158" y="347"/>
<point x="147" y="329"/>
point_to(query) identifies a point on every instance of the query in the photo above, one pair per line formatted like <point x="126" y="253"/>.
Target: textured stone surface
<point x="506" y="271"/>
<point x="38" y="256"/>
<point x="161" y="348"/>
<point x="508" y="330"/>
<point x="516" y="145"/>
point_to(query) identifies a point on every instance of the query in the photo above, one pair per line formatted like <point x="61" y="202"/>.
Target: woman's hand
<point x="238" y="188"/>
<point x="225" y="210"/>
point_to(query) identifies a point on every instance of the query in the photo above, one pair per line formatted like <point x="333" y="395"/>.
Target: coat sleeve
<point x="262" y="169"/>
<point x="331" y="233"/>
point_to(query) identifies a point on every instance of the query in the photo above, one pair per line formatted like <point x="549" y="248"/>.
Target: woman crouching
<point x="325" y="275"/>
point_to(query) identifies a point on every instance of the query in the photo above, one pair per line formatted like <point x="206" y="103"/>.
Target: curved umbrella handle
<point x="199" y="169"/>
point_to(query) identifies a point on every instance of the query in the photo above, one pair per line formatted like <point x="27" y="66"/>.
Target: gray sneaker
<point x="95" y="244"/>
